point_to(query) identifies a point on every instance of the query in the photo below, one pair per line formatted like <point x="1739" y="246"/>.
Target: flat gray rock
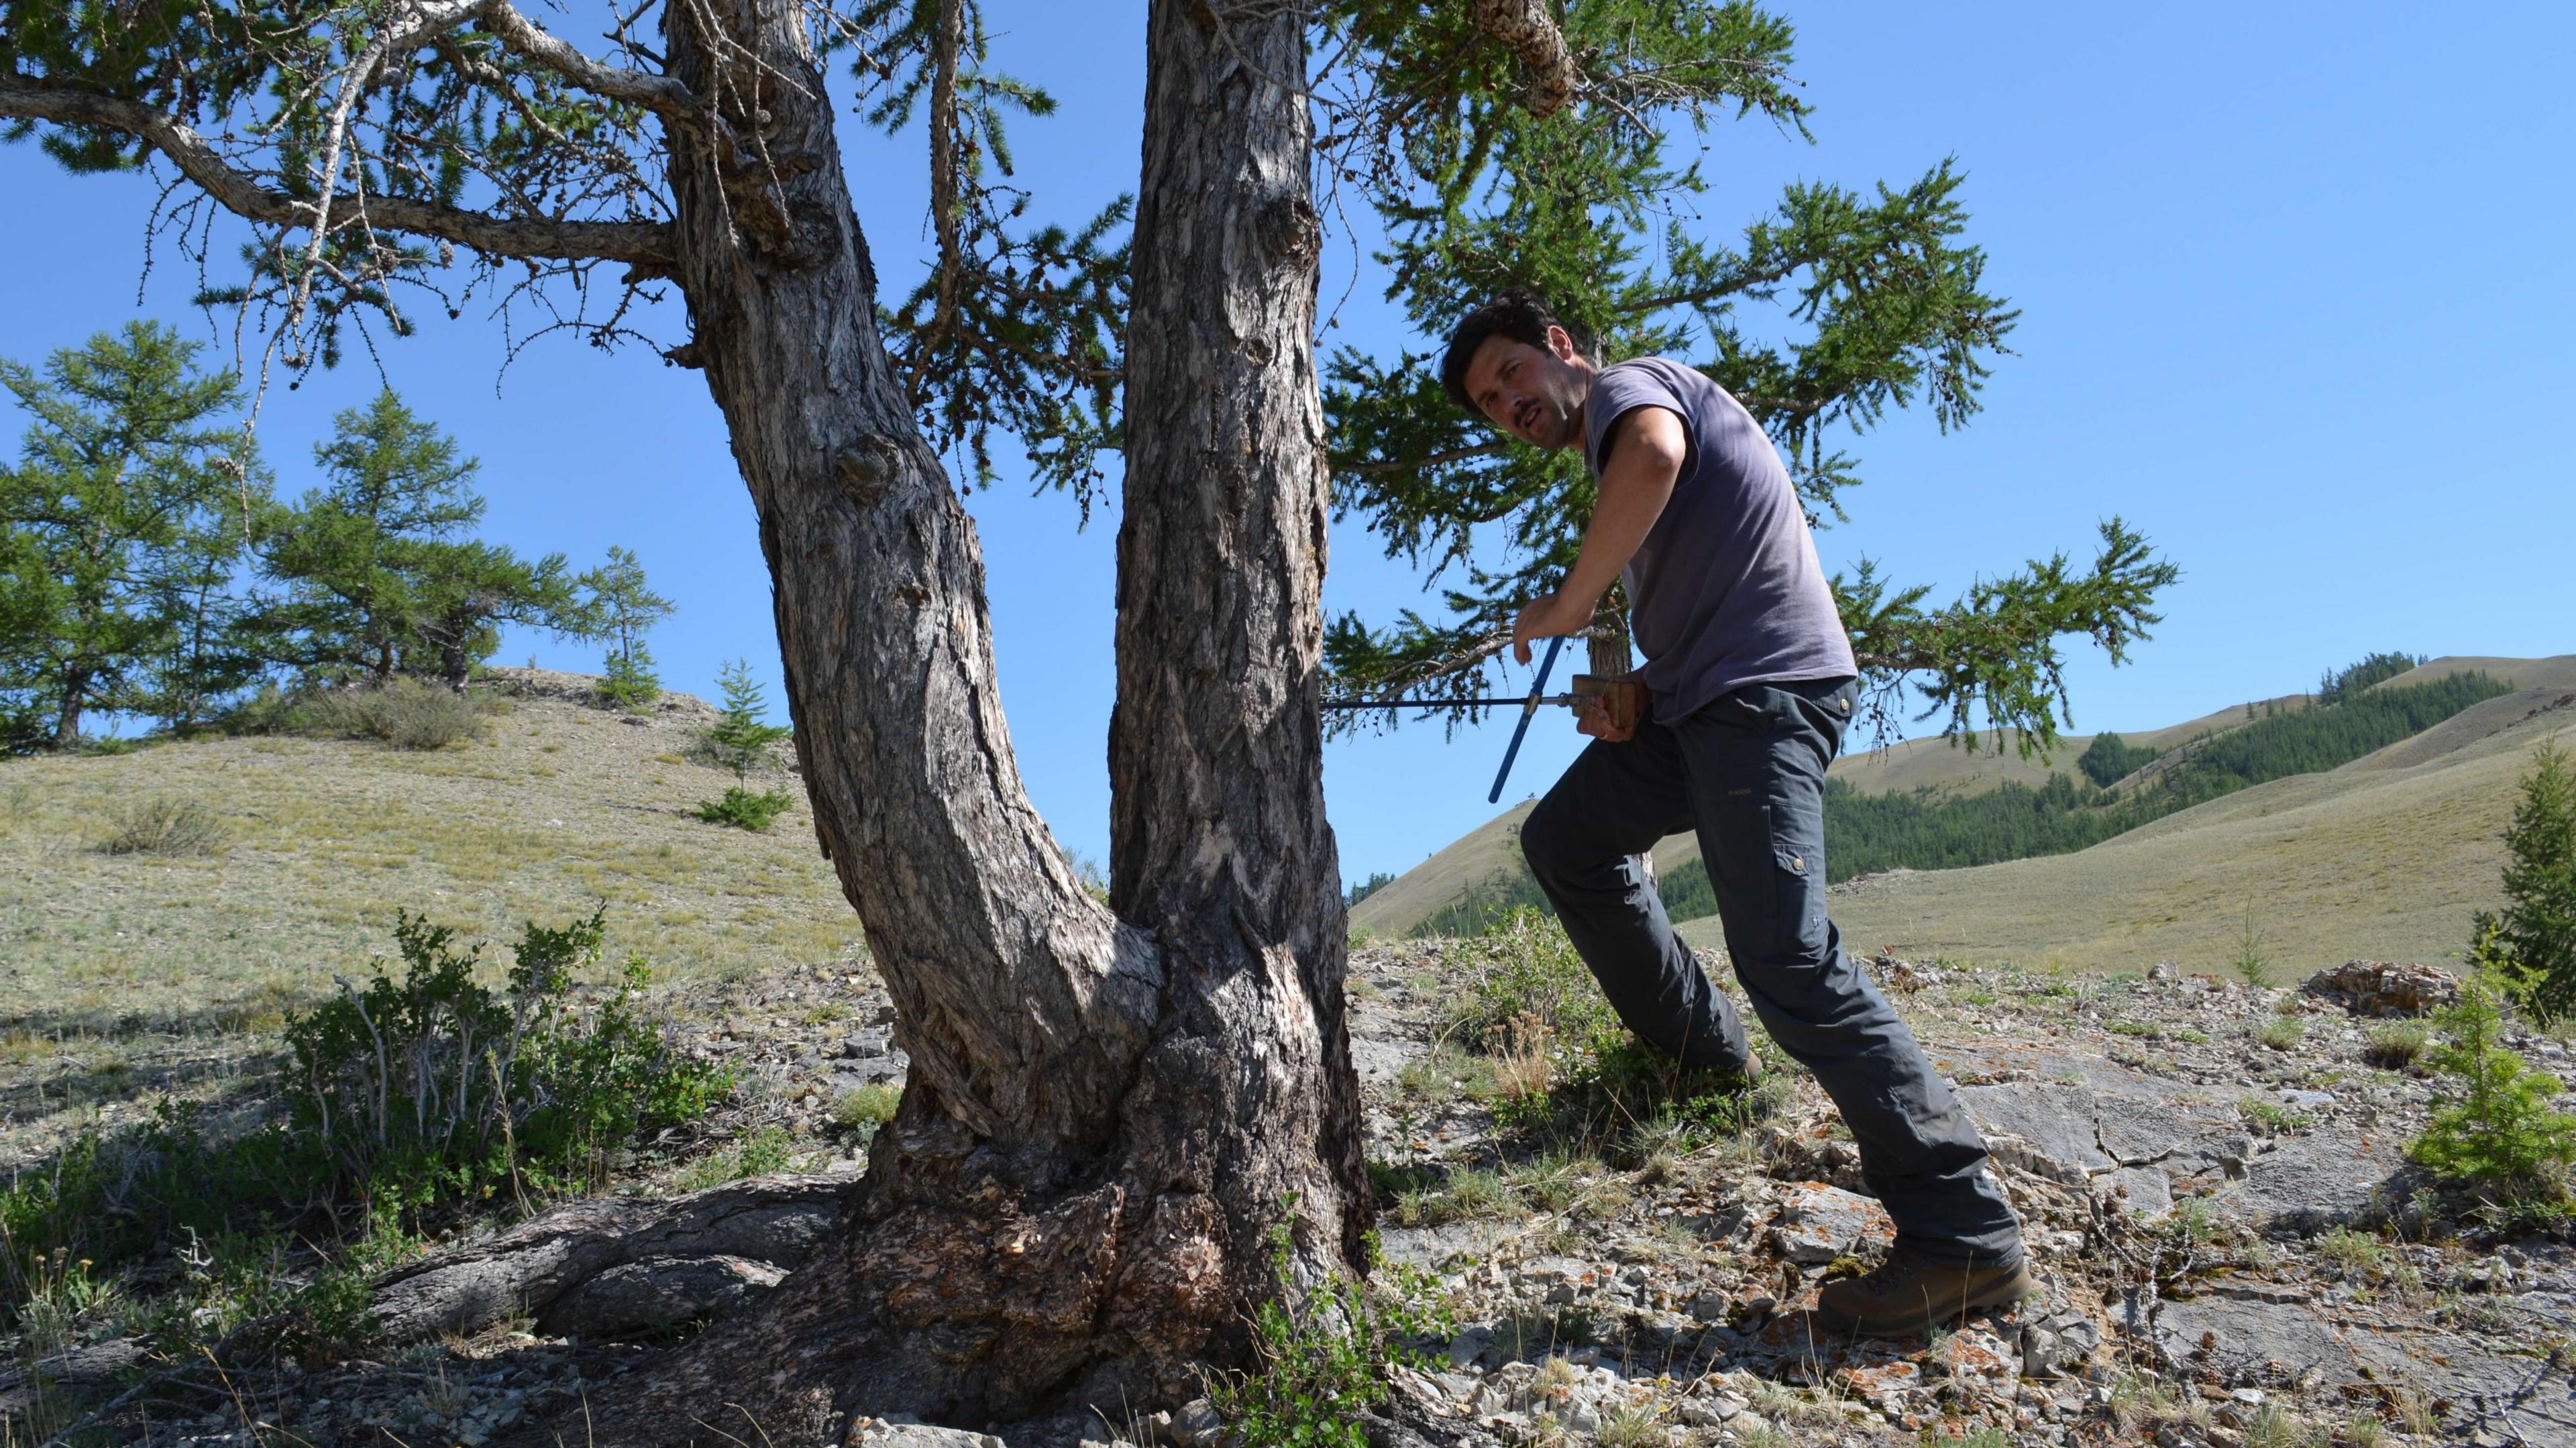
<point x="2246" y="1341"/>
<point x="1377" y="1059"/>
<point x="1431" y="1248"/>
<point x="2320" y="1178"/>
<point x="1819" y="1223"/>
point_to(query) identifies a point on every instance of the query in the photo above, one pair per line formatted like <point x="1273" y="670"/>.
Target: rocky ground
<point x="2212" y="1177"/>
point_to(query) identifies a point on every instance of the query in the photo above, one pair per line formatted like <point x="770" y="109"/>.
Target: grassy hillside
<point x="2384" y="858"/>
<point x="1489" y="853"/>
<point x="557" y="808"/>
<point x="1952" y="769"/>
<point x="1472" y="863"/>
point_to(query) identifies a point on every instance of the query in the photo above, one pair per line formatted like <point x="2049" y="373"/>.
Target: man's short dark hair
<point x="1518" y="316"/>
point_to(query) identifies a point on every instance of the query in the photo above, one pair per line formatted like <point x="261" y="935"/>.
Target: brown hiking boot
<point x="1908" y="1293"/>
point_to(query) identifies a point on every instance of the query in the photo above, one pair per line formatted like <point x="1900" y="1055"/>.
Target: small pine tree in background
<point x="2535" y="937"/>
<point x="740" y="740"/>
<point x="628" y="679"/>
<point x="2499" y="1131"/>
<point x="621" y="609"/>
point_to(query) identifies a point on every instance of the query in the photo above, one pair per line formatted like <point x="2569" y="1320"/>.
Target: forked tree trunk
<point x="1103" y="1118"/>
<point x="1218" y="837"/>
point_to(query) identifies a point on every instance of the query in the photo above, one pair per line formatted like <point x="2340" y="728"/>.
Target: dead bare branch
<point x="645" y="243"/>
<point x="659" y="94"/>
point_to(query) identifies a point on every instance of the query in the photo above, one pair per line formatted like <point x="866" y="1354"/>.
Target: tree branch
<point x="1415" y="465"/>
<point x="659" y="94"/>
<point x="1524" y="28"/>
<point x="646" y="243"/>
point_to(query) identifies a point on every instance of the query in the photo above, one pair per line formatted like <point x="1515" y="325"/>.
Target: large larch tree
<point x="1111" y="1109"/>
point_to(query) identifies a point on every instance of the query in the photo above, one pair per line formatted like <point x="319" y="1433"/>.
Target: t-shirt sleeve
<point x="1617" y="392"/>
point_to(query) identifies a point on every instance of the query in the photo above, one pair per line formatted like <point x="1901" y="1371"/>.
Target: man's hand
<point x="1551" y="615"/>
<point x="1592" y="717"/>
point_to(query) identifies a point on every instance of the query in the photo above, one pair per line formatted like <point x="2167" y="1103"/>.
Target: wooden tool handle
<point x="1624" y="699"/>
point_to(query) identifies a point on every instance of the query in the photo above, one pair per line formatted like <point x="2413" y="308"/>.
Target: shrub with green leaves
<point x="433" y="1087"/>
<point x="2497" y="1130"/>
<point x="112" y="1196"/>
<point x="1524" y="970"/>
<point x="404" y="712"/>
<point x="2534" y="939"/>
<point x="1319" y="1359"/>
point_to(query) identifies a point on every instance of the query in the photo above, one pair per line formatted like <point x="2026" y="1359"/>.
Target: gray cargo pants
<point x="1748" y="772"/>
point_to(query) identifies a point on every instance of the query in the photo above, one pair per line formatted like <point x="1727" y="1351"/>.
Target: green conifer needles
<point x="740" y="741"/>
<point x="1821" y="316"/>
<point x="2498" y="1131"/>
<point x="2534" y="940"/>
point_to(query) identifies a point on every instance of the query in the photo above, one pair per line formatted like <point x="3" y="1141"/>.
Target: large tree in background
<point x="1110" y="1108"/>
<point x="129" y="493"/>
<point x="1822" y="316"/>
<point x="376" y="578"/>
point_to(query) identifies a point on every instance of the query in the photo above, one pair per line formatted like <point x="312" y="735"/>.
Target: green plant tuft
<point x="744" y="809"/>
<point x="2396" y="1045"/>
<point x="761" y="1153"/>
<point x="867" y="1109"/>
<point x="1320" y="1358"/>
<point x="2282" y="1033"/>
<point x="162" y="825"/>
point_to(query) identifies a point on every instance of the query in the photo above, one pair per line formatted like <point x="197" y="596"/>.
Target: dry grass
<point x="1521" y="1066"/>
<point x="328" y="837"/>
<point x="161" y="825"/>
<point x="2376" y="860"/>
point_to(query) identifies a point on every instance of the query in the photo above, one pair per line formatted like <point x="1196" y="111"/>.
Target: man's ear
<point x="1561" y="342"/>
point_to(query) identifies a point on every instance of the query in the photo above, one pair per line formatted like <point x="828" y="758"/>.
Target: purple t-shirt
<point x="1726" y="590"/>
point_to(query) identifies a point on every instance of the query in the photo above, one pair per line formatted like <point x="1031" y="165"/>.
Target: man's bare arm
<point x="1647" y="449"/>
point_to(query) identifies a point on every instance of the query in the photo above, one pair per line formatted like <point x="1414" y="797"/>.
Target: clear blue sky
<point x="2296" y="289"/>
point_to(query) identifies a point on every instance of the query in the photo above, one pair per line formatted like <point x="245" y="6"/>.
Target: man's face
<point x="1535" y="394"/>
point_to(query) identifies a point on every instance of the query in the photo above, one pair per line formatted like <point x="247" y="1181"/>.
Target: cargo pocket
<point x="1798" y="910"/>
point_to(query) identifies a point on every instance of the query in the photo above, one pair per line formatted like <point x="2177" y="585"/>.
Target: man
<point x="1752" y="680"/>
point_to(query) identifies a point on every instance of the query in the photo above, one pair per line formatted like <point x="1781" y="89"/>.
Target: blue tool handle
<point x="1538" y="689"/>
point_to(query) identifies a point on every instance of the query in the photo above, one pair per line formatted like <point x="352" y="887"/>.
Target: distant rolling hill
<point x="2385" y="855"/>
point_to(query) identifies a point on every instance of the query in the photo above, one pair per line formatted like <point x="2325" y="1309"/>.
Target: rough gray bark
<point x="1103" y="1117"/>
<point x="1525" y="28"/>
<point x="67" y="720"/>
<point x="1219" y="841"/>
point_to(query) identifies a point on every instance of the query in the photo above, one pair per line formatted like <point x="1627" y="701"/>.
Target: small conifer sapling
<point x="739" y="740"/>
